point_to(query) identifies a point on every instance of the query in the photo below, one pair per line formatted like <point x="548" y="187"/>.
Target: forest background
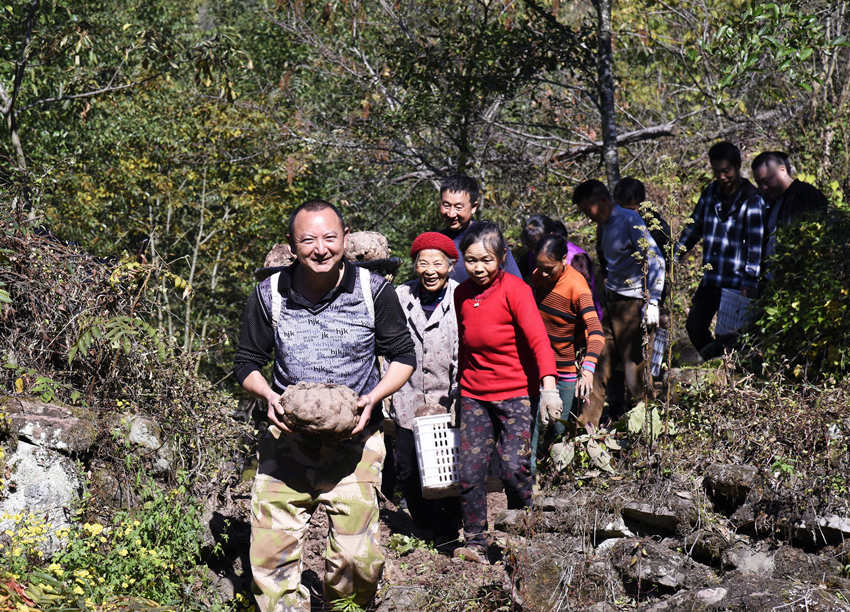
<point x="182" y="134"/>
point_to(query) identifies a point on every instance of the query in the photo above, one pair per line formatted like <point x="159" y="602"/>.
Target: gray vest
<point x="335" y="345"/>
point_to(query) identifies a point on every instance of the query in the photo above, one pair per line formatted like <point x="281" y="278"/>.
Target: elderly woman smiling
<point x="428" y="305"/>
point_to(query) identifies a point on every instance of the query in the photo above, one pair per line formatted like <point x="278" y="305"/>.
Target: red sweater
<point x="504" y="348"/>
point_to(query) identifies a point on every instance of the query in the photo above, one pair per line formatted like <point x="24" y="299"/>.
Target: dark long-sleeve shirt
<point x="732" y="233"/>
<point x="799" y="199"/>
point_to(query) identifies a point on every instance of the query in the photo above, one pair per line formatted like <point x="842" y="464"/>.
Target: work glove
<point x="650" y="314"/>
<point x="551" y="406"/>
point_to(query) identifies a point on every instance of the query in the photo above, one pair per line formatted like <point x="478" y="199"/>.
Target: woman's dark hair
<point x="553" y="245"/>
<point x="538" y="226"/>
<point x="488" y="234"/>
<point x="558" y="227"/>
<point x="535" y="227"/>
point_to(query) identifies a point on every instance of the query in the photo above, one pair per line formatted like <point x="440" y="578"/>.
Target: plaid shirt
<point x="732" y="236"/>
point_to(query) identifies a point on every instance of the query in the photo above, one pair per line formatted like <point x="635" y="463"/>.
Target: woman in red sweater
<point x="504" y="357"/>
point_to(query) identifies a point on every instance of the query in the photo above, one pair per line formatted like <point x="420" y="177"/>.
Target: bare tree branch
<point x="92" y="93"/>
<point x="648" y="133"/>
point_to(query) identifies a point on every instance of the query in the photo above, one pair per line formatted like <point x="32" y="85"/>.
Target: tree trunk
<point x="605" y="72"/>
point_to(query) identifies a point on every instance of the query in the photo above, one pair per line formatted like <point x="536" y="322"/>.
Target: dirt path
<point x="423" y="575"/>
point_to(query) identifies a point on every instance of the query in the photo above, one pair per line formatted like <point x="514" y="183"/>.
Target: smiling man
<point x="730" y="220"/>
<point x="322" y="320"/>
<point x="459" y="196"/>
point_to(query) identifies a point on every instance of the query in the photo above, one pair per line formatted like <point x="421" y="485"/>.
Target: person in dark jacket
<point x="459" y="201"/>
<point x="787" y="199"/>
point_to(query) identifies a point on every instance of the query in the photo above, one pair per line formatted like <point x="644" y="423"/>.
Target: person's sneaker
<point x="473" y="554"/>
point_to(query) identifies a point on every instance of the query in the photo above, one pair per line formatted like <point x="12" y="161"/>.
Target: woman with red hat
<point x="428" y="305"/>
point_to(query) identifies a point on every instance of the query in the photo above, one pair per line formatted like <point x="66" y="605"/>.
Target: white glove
<point x="550" y="407"/>
<point x="650" y="314"/>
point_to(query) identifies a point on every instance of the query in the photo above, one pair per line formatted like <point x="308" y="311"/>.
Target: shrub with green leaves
<point x="150" y="552"/>
<point x="803" y="327"/>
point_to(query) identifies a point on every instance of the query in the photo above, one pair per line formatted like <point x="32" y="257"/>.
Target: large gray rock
<point x="830" y="529"/>
<point x="404" y="597"/>
<point x="750" y="592"/>
<point x="539" y="568"/>
<point x="55" y="426"/>
<point x="793" y="563"/>
<point x="748" y="559"/>
<point x="145" y="433"/>
<point x="699" y="599"/>
<point x="655" y="518"/>
<point x="728" y="485"/>
<point x="684" y="353"/>
<point x="706" y="547"/>
<point x="44" y="484"/>
<point x="570" y="519"/>
<point x="744" y="519"/>
<point x="648" y="566"/>
<point x="612" y="526"/>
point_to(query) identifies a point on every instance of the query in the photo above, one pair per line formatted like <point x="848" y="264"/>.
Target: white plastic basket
<point x="437" y="448"/>
<point x="733" y="312"/>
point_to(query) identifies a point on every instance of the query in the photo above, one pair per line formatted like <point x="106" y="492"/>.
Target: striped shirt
<point x="571" y="321"/>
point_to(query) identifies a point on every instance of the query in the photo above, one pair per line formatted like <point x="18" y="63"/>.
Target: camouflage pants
<point x="505" y="425"/>
<point x="295" y="475"/>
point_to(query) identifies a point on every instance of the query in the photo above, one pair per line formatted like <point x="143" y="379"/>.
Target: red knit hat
<point x="434" y="240"/>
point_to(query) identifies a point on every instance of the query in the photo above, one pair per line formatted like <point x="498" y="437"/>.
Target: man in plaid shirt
<point x="729" y="218"/>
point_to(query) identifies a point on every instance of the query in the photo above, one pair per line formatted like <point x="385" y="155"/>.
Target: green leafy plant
<point x="346" y="604"/>
<point x="149" y="552"/>
<point x="804" y="314"/>
<point x="593" y="448"/>
<point x="638" y="419"/>
<point x="120" y="332"/>
<point x="402" y="544"/>
<point x="783" y="466"/>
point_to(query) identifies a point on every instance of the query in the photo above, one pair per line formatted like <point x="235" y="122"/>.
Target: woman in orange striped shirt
<point x="566" y="305"/>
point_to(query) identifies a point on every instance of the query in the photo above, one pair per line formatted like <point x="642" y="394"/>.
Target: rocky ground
<point x="736" y="510"/>
<point x="742" y="505"/>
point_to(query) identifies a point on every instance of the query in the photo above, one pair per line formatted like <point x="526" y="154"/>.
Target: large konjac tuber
<point x="320" y="409"/>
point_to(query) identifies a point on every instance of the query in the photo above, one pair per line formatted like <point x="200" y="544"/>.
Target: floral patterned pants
<point x="506" y="426"/>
